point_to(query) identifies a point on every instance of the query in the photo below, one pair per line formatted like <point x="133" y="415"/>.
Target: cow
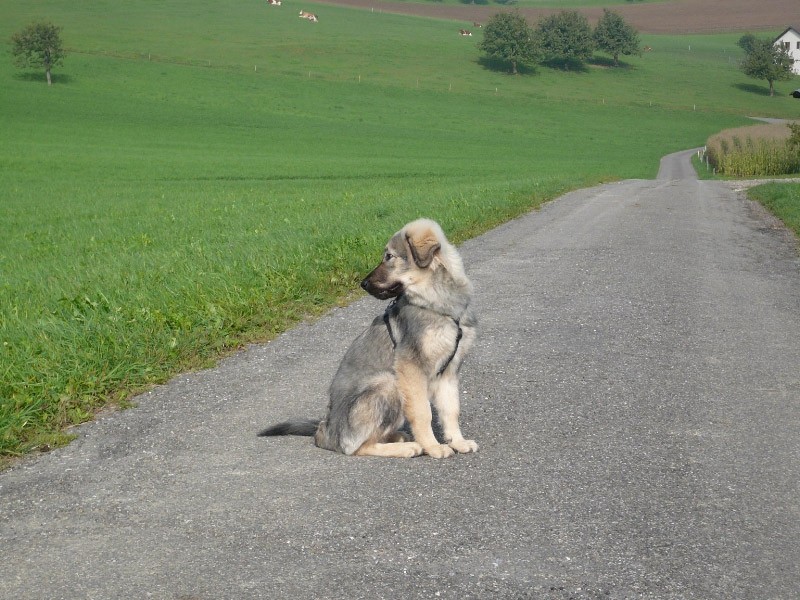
<point x="475" y="24"/>
<point x="274" y="2"/>
<point x="647" y="48"/>
<point x="464" y="32"/>
<point x="309" y="16"/>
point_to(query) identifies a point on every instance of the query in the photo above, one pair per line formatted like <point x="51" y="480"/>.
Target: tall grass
<point x="203" y="174"/>
<point x="756" y="151"/>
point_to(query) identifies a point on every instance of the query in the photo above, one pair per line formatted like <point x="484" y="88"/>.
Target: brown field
<point x="678" y="16"/>
<point x="775" y="132"/>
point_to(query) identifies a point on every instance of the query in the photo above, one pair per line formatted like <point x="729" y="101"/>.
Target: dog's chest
<point x="441" y="340"/>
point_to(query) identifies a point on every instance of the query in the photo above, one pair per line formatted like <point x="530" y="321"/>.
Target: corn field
<point x="761" y="150"/>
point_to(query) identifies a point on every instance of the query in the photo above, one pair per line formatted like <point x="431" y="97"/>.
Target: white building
<point x="790" y="39"/>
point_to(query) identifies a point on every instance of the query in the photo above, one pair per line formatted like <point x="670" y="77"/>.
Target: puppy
<point x="407" y="360"/>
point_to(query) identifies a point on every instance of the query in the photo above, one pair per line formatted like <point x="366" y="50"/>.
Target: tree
<point x="615" y="36"/>
<point x="566" y="37"/>
<point x="746" y="42"/>
<point x="508" y="37"/>
<point x="38" y="45"/>
<point x="767" y="61"/>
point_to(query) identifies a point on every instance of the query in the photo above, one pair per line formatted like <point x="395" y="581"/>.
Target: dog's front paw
<point x="439" y="451"/>
<point x="464" y="446"/>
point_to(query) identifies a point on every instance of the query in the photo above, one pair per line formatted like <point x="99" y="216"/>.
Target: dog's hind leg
<point x="391" y="449"/>
<point x="370" y="423"/>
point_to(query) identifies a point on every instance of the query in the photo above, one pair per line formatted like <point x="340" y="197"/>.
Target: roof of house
<point x="787" y="30"/>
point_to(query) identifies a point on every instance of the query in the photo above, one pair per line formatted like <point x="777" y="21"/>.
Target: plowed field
<point x="680" y="16"/>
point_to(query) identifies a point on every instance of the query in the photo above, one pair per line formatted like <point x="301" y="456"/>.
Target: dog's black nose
<point x="364" y="284"/>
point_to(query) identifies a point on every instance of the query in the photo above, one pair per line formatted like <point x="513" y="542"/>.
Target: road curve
<point x="678" y="166"/>
<point x="634" y="392"/>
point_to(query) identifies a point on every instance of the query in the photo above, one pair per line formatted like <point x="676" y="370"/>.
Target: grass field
<point x="202" y="174"/>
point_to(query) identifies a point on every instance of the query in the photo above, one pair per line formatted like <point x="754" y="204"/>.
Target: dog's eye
<point x="388" y="256"/>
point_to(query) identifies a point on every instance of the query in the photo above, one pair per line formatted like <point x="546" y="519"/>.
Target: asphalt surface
<point x="634" y="393"/>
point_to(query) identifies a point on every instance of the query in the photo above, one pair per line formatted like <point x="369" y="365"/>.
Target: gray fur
<point x="295" y="427"/>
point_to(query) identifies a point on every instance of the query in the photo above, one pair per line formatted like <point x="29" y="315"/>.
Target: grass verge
<point x="782" y="199"/>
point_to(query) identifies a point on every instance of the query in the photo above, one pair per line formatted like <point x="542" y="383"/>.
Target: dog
<point x="407" y="360"/>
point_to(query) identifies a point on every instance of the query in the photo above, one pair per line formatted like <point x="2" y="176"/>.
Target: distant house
<point x="790" y="39"/>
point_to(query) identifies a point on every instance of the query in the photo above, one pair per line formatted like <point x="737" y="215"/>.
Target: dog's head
<point x="411" y="255"/>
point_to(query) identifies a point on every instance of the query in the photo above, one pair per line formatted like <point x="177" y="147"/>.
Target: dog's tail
<point x="293" y="427"/>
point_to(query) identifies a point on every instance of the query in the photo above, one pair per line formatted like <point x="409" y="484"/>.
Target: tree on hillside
<point x="767" y="61"/>
<point x="746" y="42"/>
<point x="38" y="45"/>
<point x="615" y="36"/>
<point x="508" y="37"/>
<point x="566" y="38"/>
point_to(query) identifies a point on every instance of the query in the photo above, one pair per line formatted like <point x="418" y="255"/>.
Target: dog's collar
<point x="459" y="335"/>
<point x="389" y="324"/>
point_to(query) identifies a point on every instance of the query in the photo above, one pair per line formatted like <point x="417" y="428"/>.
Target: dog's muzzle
<point x="379" y="292"/>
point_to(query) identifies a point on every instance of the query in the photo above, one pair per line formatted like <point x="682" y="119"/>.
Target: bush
<point x="794" y="136"/>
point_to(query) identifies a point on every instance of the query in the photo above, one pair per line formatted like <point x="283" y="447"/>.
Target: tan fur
<point x="423" y="244"/>
<point x="413" y="385"/>
<point x="390" y="450"/>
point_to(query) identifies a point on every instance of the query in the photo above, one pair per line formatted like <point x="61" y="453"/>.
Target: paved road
<point x="635" y="394"/>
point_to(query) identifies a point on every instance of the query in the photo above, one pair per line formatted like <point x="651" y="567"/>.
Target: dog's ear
<point x="424" y="244"/>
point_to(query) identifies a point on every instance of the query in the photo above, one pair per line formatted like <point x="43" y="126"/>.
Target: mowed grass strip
<point x="782" y="199"/>
<point x="201" y="175"/>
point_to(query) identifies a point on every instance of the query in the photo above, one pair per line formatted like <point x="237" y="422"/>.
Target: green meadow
<point x="205" y="174"/>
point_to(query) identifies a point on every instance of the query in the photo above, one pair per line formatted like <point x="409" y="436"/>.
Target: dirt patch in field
<point x="679" y="16"/>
